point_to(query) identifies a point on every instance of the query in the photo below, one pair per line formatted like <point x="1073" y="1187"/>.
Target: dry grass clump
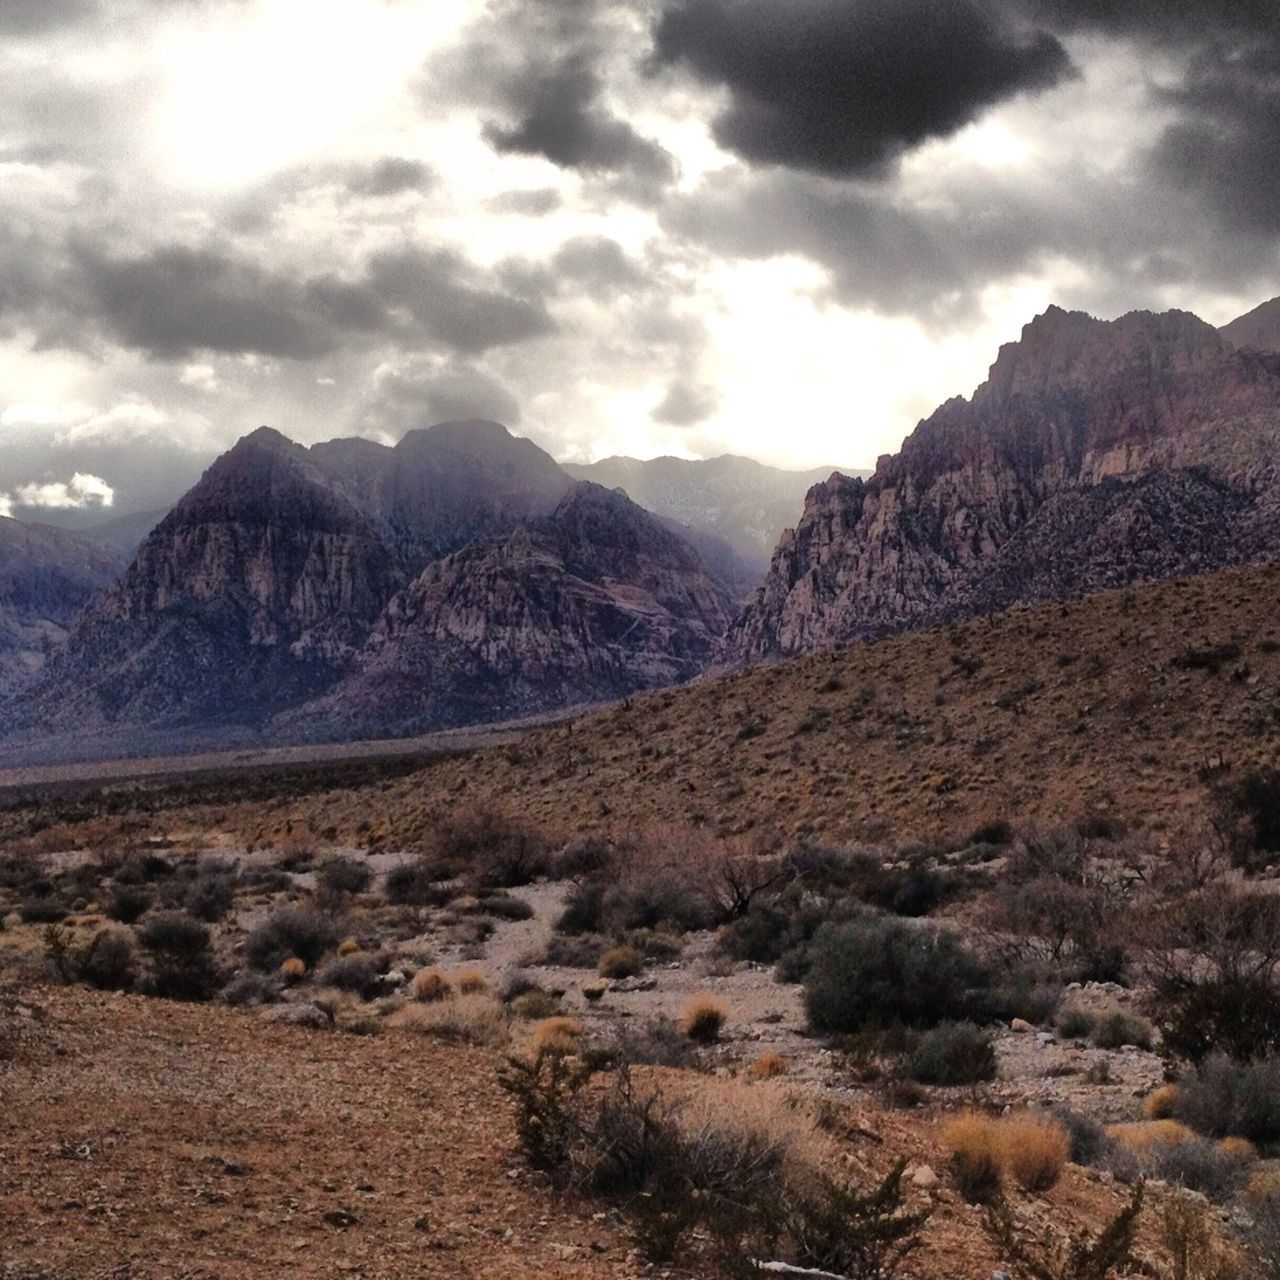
<point x="1238" y="1148"/>
<point x="292" y="969"/>
<point x="620" y="962"/>
<point x="767" y="1066"/>
<point x="703" y="1018"/>
<point x="1033" y="1150"/>
<point x="474" y="1019"/>
<point x="348" y="947"/>
<point x="471" y="982"/>
<point x="1160" y="1103"/>
<point x="556" y="1035"/>
<point x="974" y="1148"/>
<point x="1142" y="1136"/>
<point x="431" y="985"/>
<point x="535" y="1004"/>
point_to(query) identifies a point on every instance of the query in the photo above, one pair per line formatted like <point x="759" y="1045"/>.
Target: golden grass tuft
<point x="1241" y="1148"/>
<point x="1033" y="1150"/>
<point x="348" y="947"/>
<point x="532" y="1005"/>
<point x="471" y="982"/>
<point x="292" y="969"/>
<point x="767" y="1066"/>
<point x="703" y="1018"/>
<point x="1140" y="1137"/>
<point x="974" y="1147"/>
<point x="556" y="1035"/>
<point x="1161" y="1102"/>
<point x="475" y="1019"/>
<point x="430" y="985"/>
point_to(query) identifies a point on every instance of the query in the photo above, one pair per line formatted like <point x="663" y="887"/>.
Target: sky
<point x="781" y="228"/>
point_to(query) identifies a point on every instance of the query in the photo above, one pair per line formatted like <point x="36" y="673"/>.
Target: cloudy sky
<point x="786" y="228"/>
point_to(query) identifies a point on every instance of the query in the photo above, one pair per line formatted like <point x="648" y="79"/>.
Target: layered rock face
<point x="47" y="576"/>
<point x="287" y="570"/>
<point x="596" y="601"/>
<point x="1096" y="454"/>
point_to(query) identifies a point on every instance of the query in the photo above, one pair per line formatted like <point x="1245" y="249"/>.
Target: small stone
<point x="297" y="1015"/>
<point x="1021" y="1026"/>
<point x="924" y="1178"/>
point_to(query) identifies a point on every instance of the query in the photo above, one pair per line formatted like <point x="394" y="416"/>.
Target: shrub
<point x="44" y="910"/>
<point x="572" y="953"/>
<point x="291" y="931"/>
<point x="1236" y="1016"/>
<point x="583" y="909"/>
<point x="1087" y="1139"/>
<point x="249" y="988"/>
<point x="874" y="972"/>
<point x="556" y="1035"/>
<point x="545" y="1088"/>
<point x="493" y="849"/>
<point x="1034" y="1150"/>
<point x="108" y="961"/>
<point x="209" y="896"/>
<point x="1200" y="1166"/>
<point x="1161" y="1103"/>
<point x="479" y="1020"/>
<point x="655" y="1042"/>
<point x="181" y="949"/>
<point x="974" y="1148"/>
<point x="471" y="982"/>
<point x="1115" y="1028"/>
<point x="128" y="903"/>
<point x="767" y="1066"/>
<point x="503" y="906"/>
<point x="620" y="962"/>
<point x="535" y="1004"/>
<point x="1247" y="813"/>
<point x="588" y="855"/>
<point x="344" y="876"/>
<point x="702" y="1019"/>
<point x="353" y="972"/>
<point x="292" y="970"/>
<point x="998" y="832"/>
<point x="430" y="986"/>
<point x="1226" y="1099"/>
<point x="952" y="1053"/>
<point x="415" y="884"/>
<point x="1074" y="1022"/>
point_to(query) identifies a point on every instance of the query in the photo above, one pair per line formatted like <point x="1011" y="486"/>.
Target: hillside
<point x="1124" y="702"/>
<point x="1096" y="455"/>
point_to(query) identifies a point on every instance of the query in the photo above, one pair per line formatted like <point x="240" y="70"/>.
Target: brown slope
<point x="1075" y="405"/>
<point x="1257" y="330"/>
<point x="1040" y="712"/>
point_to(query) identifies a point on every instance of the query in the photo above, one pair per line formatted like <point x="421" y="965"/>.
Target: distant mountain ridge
<point x="262" y="588"/>
<point x="1097" y="454"/>
<point x="743" y="501"/>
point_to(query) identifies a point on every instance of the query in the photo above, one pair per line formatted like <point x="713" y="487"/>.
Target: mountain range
<point x="352" y="589"/>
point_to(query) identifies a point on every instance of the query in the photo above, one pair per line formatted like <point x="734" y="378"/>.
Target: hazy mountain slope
<point x="1257" y="330"/>
<point x="47" y="576"/>
<point x="593" y="602"/>
<point x="1096" y="454"/>
<point x="743" y="501"/>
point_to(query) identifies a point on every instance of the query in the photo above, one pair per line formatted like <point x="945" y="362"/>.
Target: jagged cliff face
<point x="1096" y="454"/>
<point x="594" y="602"/>
<point x="47" y="576"/>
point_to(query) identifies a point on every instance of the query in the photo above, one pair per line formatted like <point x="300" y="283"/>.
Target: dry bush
<point x="1033" y="1150"/>
<point x="430" y="986"/>
<point x="535" y="1004"/>
<point x="975" y="1156"/>
<point x="620" y="962"/>
<point x="491" y="848"/>
<point x="703" y="1017"/>
<point x="767" y="1066"/>
<point x="293" y="969"/>
<point x="1142" y="1137"/>
<point x="470" y="982"/>
<point x="348" y="947"/>
<point x="479" y="1020"/>
<point x="558" y="1034"/>
<point x="1161" y="1103"/>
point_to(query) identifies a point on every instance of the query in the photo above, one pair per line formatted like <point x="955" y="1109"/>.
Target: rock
<point x="1021" y="1025"/>
<point x="642" y="983"/>
<point x="924" y="1178"/>
<point x="297" y="1015"/>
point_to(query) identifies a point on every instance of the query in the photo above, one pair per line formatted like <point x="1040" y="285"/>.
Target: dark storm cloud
<point x="559" y="116"/>
<point x="598" y="266"/>
<point x="420" y="392"/>
<point x="686" y="404"/>
<point x="846" y="86"/>
<point x="391" y="176"/>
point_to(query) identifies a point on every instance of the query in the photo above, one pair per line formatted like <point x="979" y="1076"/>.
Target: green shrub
<point x="953" y="1053"/>
<point x="291" y="931"/>
<point x="416" y="884"/>
<point x="1229" y="1099"/>
<point x="1074" y="1022"/>
<point x="876" y="972"/>
<point x="583" y="909"/>
<point x="1199" y="1165"/>
<point x="620" y="962"/>
<point x="357" y="974"/>
<point x="182" y="960"/>
<point x="128" y="903"/>
<point x="1236" y="1016"/>
<point x="108" y="961"/>
<point x="1114" y="1028"/>
<point x="344" y="876"/>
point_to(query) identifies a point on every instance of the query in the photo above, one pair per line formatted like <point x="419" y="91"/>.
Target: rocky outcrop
<point x="594" y="602"/>
<point x="1095" y="454"/>
<point x="1256" y="330"/>
<point x="47" y="576"/>
<point x="738" y="499"/>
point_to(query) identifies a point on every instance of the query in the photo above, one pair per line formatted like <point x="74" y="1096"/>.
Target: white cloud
<point x="200" y="376"/>
<point x="6" y="505"/>
<point x="79" y="492"/>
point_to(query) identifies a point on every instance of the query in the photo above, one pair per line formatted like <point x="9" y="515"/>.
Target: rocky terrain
<point x="258" y="592"/>
<point x="1096" y="455"/>
<point x="47" y="576"/>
